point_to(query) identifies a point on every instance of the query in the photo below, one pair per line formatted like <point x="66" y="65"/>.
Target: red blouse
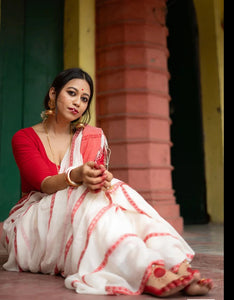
<point x="33" y="162"/>
<point x="31" y="159"/>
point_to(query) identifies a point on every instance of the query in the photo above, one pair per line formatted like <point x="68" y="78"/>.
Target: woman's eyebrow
<point x="72" y="87"/>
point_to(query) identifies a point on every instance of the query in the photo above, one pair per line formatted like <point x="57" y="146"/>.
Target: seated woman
<point x="75" y="219"/>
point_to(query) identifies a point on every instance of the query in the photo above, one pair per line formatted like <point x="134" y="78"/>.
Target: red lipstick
<point x="73" y="110"/>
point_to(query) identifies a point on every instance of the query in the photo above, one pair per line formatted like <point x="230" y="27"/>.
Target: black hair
<point x="62" y="79"/>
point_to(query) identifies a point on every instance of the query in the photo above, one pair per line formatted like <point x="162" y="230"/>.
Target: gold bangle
<point x="68" y="179"/>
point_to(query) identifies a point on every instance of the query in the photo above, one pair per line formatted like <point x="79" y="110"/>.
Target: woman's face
<point x="72" y="100"/>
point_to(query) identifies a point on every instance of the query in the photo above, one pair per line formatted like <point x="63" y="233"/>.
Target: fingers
<point x="106" y="185"/>
<point x="96" y="177"/>
<point x="90" y="170"/>
<point x="93" y="176"/>
<point x="109" y="175"/>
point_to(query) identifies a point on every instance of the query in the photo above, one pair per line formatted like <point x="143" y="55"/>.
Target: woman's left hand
<point x="107" y="177"/>
<point x="107" y="182"/>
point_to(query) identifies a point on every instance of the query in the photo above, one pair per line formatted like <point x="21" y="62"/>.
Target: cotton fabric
<point x="102" y="243"/>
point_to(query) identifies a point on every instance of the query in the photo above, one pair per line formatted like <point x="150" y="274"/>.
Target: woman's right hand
<point x="90" y="174"/>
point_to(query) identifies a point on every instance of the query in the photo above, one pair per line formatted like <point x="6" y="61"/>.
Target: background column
<point x="133" y="98"/>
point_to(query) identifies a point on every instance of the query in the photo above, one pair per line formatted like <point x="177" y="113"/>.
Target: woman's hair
<point x="62" y="79"/>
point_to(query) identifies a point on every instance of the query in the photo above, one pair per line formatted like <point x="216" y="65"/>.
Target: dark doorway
<point x="185" y="111"/>
<point x="31" y="54"/>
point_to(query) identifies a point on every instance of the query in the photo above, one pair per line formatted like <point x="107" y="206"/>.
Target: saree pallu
<point x="103" y="243"/>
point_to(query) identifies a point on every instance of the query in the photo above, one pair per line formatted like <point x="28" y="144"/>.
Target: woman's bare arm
<point x="93" y="176"/>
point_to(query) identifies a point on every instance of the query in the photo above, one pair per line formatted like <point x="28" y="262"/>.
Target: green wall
<point x="31" y="54"/>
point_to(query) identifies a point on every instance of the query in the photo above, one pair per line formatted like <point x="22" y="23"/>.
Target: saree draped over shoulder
<point x="103" y="243"/>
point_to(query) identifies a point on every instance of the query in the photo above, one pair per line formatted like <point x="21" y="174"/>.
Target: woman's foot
<point x="185" y="269"/>
<point x="163" y="283"/>
<point x="199" y="288"/>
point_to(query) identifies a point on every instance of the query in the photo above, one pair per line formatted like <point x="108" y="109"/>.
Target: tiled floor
<point x="206" y="240"/>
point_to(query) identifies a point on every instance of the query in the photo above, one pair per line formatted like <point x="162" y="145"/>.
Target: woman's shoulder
<point x="23" y="132"/>
<point x="91" y="142"/>
<point x="92" y="131"/>
<point x="23" y="135"/>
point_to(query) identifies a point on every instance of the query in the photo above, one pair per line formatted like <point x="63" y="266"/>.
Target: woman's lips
<point x="73" y="110"/>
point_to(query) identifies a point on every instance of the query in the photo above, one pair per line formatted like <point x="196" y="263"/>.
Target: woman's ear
<point x="52" y="93"/>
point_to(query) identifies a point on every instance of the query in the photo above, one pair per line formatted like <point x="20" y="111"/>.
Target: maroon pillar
<point x="133" y="98"/>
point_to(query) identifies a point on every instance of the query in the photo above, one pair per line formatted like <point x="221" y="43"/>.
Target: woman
<point x="75" y="219"/>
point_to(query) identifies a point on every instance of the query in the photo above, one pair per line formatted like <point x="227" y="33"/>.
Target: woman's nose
<point x="77" y="101"/>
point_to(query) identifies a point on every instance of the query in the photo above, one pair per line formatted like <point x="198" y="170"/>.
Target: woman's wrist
<point x="76" y="175"/>
<point x="68" y="179"/>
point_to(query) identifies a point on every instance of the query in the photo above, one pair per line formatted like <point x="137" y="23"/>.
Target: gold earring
<point x="51" y="104"/>
<point x="77" y="125"/>
<point x="46" y="113"/>
<point x="49" y="112"/>
<point x="80" y="125"/>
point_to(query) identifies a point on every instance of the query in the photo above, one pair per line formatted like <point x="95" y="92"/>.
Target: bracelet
<point x="68" y="179"/>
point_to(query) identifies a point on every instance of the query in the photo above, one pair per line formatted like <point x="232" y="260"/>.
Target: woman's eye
<point x="84" y="99"/>
<point x="71" y="93"/>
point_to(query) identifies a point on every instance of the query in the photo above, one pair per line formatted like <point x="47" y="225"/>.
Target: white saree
<point x="102" y="243"/>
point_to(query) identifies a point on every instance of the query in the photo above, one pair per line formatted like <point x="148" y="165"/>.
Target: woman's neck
<point x="55" y="127"/>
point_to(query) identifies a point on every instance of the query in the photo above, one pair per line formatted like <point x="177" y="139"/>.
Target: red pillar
<point x="133" y="97"/>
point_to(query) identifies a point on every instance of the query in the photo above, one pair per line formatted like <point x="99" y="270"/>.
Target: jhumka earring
<point x="49" y="112"/>
<point x="80" y="125"/>
<point x="77" y="125"/>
